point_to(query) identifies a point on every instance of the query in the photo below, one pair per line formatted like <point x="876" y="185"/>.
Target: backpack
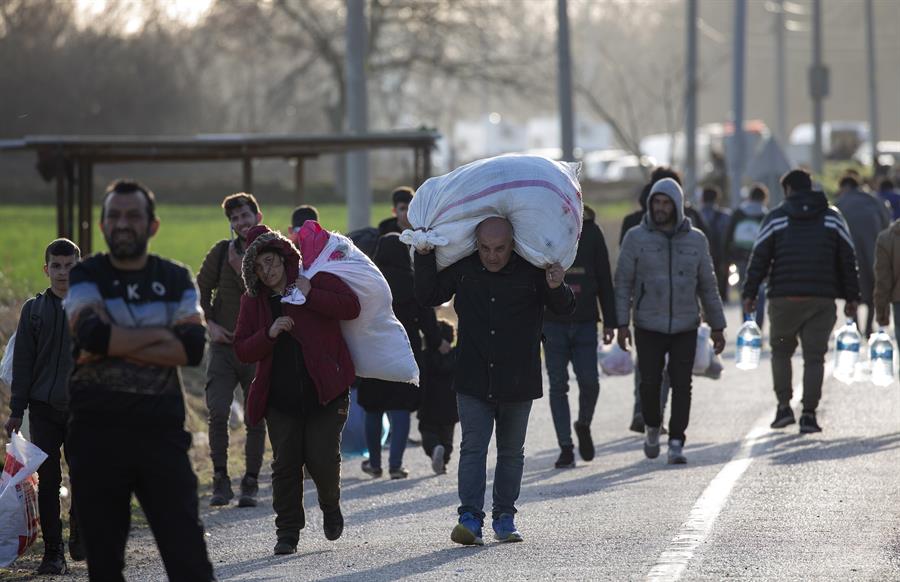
<point x="365" y="239"/>
<point x="745" y="232"/>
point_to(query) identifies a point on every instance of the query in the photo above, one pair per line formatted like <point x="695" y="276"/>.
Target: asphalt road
<point x="751" y="503"/>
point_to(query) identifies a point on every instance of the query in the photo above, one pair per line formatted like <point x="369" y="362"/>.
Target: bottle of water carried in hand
<point x="749" y="345"/>
<point x="881" y="357"/>
<point x="846" y="352"/>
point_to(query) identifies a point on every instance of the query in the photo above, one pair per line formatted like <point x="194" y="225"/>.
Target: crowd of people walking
<point x="102" y="346"/>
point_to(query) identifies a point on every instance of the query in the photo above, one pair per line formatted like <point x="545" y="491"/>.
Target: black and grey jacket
<point x="805" y="248"/>
<point x="42" y="357"/>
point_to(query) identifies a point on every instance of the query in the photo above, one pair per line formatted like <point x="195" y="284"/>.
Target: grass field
<point x="186" y="234"/>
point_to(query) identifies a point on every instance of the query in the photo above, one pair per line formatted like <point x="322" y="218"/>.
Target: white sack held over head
<point x="376" y="339"/>
<point x="540" y="197"/>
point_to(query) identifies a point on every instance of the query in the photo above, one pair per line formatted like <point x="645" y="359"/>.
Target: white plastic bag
<point x="704" y="353"/>
<point x="617" y="362"/>
<point x="6" y="364"/>
<point x="19" y="522"/>
<point x="540" y="197"/>
<point x="377" y="341"/>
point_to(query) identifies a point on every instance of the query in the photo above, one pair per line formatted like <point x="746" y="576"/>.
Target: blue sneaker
<point x="468" y="531"/>
<point x="505" y="529"/>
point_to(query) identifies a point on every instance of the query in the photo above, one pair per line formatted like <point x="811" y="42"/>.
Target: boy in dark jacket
<point x="437" y="414"/>
<point x="42" y="362"/>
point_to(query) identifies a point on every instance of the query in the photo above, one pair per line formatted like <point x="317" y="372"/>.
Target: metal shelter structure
<point x="69" y="160"/>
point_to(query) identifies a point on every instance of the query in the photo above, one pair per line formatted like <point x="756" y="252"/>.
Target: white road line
<point x="672" y="562"/>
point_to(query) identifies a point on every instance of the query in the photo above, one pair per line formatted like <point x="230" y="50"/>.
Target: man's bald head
<point x="494" y="239"/>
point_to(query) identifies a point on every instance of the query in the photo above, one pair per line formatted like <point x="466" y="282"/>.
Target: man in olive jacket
<point x="664" y="267"/>
<point x="500" y="301"/>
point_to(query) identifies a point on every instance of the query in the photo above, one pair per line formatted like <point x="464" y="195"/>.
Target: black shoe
<point x="566" y="458"/>
<point x="783" y="417"/>
<point x="637" y="423"/>
<point x="285" y="546"/>
<point x="808" y="423"/>
<point x="54" y="561"/>
<point x="333" y="522"/>
<point x="222" y="492"/>
<point x="76" y="549"/>
<point x="249" y="491"/>
<point x="370" y="470"/>
<point x="585" y="442"/>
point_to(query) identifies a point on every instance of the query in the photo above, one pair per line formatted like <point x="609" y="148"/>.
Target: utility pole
<point x="738" y="153"/>
<point x="359" y="193"/>
<point x="564" y="76"/>
<point x="690" y="101"/>
<point x="818" y="86"/>
<point x="780" y="99"/>
<point x="873" y="84"/>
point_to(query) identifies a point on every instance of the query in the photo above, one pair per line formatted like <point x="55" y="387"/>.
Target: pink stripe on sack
<point x="512" y="186"/>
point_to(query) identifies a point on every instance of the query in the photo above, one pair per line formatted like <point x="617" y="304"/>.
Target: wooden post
<point x="417" y="167"/>
<point x="426" y="164"/>
<point x="248" y="175"/>
<point x="298" y="180"/>
<point x="70" y="200"/>
<point x="60" y="198"/>
<point x="85" y="205"/>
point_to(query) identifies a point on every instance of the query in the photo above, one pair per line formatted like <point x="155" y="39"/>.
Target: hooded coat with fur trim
<point x="316" y="325"/>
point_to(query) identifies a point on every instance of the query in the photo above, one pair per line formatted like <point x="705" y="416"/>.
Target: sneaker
<point x="676" y="452"/>
<point x="637" y="423"/>
<point x="54" y="561"/>
<point x="222" y="492"/>
<point x="399" y="473"/>
<point x="651" y="442"/>
<point x="437" y="460"/>
<point x="468" y="531"/>
<point x="585" y="441"/>
<point x="76" y="548"/>
<point x="783" y="417"/>
<point x="333" y="523"/>
<point x="808" y="423"/>
<point x="249" y="491"/>
<point x="505" y="529"/>
<point x="566" y="458"/>
<point x="370" y="470"/>
<point x="284" y="547"/>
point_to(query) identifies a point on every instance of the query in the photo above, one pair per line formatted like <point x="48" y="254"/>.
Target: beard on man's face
<point x="125" y="243"/>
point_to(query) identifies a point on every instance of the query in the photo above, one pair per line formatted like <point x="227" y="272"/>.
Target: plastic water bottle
<point x="749" y="345"/>
<point x="881" y="357"/>
<point x="846" y="352"/>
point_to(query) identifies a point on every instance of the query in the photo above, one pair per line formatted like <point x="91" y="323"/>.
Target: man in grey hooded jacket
<point x="664" y="267"/>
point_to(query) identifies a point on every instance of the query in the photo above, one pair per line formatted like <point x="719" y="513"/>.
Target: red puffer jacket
<point x="316" y="328"/>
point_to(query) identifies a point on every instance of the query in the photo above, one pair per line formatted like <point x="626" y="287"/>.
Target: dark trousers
<point x="48" y="433"/>
<point x="434" y="434"/>
<point x="576" y="343"/>
<point x="224" y="372"/>
<point x="312" y="439"/>
<point x="108" y="465"/>
<point x="652" y="348"/>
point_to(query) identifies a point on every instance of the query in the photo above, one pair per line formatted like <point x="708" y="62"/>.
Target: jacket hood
<point x="261" y="237"/>
<point x="667" y="187"/>
<point x="805" y="205"/>
<point x="895" y="227"/>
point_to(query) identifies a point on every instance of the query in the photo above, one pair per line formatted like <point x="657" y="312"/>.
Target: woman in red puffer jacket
<point x="303" y="373"/>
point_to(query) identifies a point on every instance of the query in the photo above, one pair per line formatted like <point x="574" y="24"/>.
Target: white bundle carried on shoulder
<point x="540" y="197"/>
<point x="376" y="339"/>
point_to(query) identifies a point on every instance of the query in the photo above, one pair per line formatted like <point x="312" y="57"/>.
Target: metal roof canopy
<point x="70" y="160"/>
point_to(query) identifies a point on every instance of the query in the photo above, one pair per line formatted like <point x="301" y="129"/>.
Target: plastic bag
<point x="617" y="362"/>
<point x="540" y="197"/>
<point x="704" y="353"/>
<point x="376" y="339"/>
<point x="6" y="364"/>
<point x="19" y="522"/>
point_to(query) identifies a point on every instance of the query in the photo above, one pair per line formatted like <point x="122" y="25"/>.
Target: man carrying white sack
<point x="500" y="300"/>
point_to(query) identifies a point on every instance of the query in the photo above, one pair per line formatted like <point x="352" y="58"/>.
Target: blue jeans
<point x="399" y="420"/>
<point x="576" y="343"/>
<point x="477" y="418"/>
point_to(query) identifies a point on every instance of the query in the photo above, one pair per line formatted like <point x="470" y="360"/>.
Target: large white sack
<point x="540" y="197"/>
<point x="19" y="520"/>
<point x="377" y="340"/>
